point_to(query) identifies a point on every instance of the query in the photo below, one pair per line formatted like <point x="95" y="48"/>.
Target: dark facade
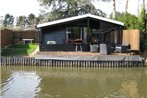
<point x="87" y="29"/>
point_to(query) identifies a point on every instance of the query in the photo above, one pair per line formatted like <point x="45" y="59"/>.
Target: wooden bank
<point x="71" y="59"/>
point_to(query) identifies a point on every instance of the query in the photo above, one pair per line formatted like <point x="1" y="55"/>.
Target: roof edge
<point x="79" y="17"/>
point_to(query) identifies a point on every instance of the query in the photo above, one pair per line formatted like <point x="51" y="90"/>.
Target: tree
<point x="8" y="20"/>
<point x="1" y="19"/>
<point x="141" y="18"/>
<point x="138" y="6"/>
<point x="31" y="20"/>
<point x="27" y="21"/>
<point x="114" y="6"/>
<point x="143" y="3"/>
<point x="142" y="27"/>
<point x="22" y="21"/>
<point x="114" y="9"/>
<point x="134" y="22"/>
<point x="126" y="8"/>
<point x="130" y="21"/>
<point x="67" y="8"/>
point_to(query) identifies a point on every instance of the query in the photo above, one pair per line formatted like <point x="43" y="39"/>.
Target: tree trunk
<point x="126" y="8"/>
<point x="114" y="9"/>
<point x="138" y="8"/>
<point x="143" y="3"/>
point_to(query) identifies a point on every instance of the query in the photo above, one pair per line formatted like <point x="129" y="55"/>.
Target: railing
<point x="30" y="61"/>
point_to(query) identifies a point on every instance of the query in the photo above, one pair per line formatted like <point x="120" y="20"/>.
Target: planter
<point x="94" y="48"/>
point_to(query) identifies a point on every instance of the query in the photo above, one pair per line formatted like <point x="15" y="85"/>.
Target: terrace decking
<point x="75" y="53"/>
<point x="81" y="56"/>
<point x="72" y="55"/>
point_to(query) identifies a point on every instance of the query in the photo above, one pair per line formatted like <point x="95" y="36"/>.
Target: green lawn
<point x="13" y="50"/>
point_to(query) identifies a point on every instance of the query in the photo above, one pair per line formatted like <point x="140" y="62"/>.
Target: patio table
<point x="30" y="40"/>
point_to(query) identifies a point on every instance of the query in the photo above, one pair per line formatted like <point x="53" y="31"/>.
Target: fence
<point x="30" y="61"/>
<point x="27" y="34"/>
<point x="10" y="36"/>
<point x="132" y="37"/>
<point x="6" y="37"/>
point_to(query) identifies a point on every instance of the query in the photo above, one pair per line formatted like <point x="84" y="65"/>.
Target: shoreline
<point x="131" y="61"/>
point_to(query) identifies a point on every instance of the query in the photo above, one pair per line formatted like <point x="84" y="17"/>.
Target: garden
<point x="19" y="50"/>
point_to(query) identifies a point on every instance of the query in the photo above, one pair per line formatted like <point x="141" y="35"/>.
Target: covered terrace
<point x="86" y="30"/>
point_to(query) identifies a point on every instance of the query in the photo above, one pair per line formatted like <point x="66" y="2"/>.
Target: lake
<point x="73" y="82"/>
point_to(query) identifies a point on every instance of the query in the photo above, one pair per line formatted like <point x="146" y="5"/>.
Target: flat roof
<point x="80" y="17"/>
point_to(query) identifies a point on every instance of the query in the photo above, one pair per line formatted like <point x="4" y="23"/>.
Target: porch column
<point x="116" y="36"/>
<point x="81" y="33"/>
<point x="88" y="30"/>
<point x="88" y="27"/>
<point x="66" y="34"/>
<point x="40" y="38"/>
<point x="85" y="35"/>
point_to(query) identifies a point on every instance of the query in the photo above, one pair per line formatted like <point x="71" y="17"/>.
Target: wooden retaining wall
<point x="67" y="63"/>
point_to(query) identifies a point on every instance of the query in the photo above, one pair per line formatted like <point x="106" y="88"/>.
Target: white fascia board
<point x="79" y="17"/>
<point x="107" y="20"/>
<point x="62" y="20"/>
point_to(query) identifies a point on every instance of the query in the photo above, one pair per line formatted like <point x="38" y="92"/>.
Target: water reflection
<point x="19" y="84"/>
<point x="61" y="82"/>
<point x="129" y="88"/>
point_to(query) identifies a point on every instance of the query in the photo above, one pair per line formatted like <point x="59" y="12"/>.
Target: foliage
<point x="133" y="22"/>
<point x="22" y="21"/>
<point x="141" y="20"/>
<point x="8" y="21"/>
<point x="130" y="21"/>
<point x="26" y="21"/>
<point x="31" y="20"/>
<point x="19" y="49"/>
<point x="114" y="6"/>
<point x="67" y="8"/>
<point x="142" y="27"/>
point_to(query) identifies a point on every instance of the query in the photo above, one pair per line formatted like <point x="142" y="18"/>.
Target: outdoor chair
<point x="112" y="47"/>
<point x="105" y="49"/>
<point x="94" y="48"/>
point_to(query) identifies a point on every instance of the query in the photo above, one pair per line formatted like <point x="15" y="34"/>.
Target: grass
<point x="13" y="50"/>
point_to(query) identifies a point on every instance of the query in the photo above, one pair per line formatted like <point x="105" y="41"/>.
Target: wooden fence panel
<point x="6" y="37"/>
<point x="28" y="34"/>
<point x="9" y="36"/>
<point x="132" y="37"/>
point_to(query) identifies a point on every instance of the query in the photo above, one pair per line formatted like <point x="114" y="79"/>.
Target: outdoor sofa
<point x="122" y="48"/>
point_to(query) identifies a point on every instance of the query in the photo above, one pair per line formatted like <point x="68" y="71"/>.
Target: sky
<point x="25" y="7"/>
<point x="19" y="7"/>
<point x="120" y="6"/>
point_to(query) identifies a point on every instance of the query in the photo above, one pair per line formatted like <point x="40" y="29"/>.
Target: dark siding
<point x="63" y="47"/>
<point x="58" y="36"/>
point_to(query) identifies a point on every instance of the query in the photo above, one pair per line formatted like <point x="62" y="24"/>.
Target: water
<point x="59" y="82"/>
